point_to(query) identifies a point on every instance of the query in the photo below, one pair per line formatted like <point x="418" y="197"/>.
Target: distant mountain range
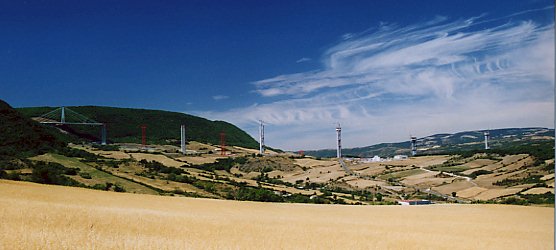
<point x="448" y="143"/>
<point x="163" y="127"/>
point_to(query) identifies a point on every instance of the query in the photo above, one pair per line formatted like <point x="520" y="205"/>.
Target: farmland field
<point x="36" y="216"/>
<point x="476" y="178"/>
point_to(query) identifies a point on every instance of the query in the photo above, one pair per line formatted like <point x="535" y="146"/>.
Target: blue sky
<point x="383" y="69"/>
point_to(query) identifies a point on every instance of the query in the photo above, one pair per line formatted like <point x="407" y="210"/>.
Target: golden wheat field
<point x="38" y="216"/>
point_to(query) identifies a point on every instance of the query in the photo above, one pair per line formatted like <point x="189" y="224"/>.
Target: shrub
<point x="118" y="188"/>
<point x="527" y="180"/>
<point x="155" y="166"/>
<point x="546" y="198"/>
<point x="549" y="168"/>
<point x="257" y="194"/>
<point x="107" y="147"/>
<point x="51" y="173"/>
<point x="78" y="153"/>
<point x="222" y="164"/>
<point x="71" y="171"/>
<point x="99" y="186"/>
<point x="14" y="176"/>
<point x="514" y="201"/>
<point x="479" y="172"/>
<point x="85" y="175"/>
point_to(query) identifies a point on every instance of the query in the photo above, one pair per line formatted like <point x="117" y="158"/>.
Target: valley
<point x="242" y="174"/>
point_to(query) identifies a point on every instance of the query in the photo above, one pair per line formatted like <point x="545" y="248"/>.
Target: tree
<point x="51" y="173"/>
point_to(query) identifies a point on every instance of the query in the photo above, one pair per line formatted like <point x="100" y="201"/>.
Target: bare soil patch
<point x="471" y="192"/>
<point x="539" y="190"/>
<point x="455" y="186"/>
<point x="495" y="193"/>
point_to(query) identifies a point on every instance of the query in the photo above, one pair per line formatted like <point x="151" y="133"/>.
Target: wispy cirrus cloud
<point x="303" y="59"/>
<point x="436" y="76"/>
<point x="220" y="97"/>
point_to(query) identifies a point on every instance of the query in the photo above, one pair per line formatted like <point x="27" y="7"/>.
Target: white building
<point x="400" y="157"/>
<point x="376" y="159"/>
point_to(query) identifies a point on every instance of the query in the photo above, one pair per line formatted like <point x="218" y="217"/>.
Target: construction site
<point x="219" y="171"/>
<point x="149" y="190"/>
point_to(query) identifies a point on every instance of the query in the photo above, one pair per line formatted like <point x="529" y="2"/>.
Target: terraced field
<point x="441" y="178"/>
<point x="473" y="178"/>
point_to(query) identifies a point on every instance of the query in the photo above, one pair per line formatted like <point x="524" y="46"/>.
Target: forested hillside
<point x="124" y="125"/>
<point x="21" y="136"/>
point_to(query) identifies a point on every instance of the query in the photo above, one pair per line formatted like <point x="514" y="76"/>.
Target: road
<point x="469" y="179"/>
<point x="345" y="167"/>
<point x="430" y="191"/>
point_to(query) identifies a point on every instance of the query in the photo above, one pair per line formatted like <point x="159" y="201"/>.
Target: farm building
<point x="400" y="157"/>
<point x="414" y="202"/>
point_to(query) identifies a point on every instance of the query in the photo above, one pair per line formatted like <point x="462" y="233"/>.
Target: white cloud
<point x="220" y="97"/>
<point x="303" y="59"/>
<point x="427" y="78"/>
<point x="347" y="36"/>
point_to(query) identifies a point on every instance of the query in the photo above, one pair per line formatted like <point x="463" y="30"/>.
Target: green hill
<point x="21" y="136"/>
<point x="163" y="127"/>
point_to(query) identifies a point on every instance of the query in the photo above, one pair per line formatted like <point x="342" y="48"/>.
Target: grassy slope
<point x="97" y="176"/>
<point x="53" y="217"/>
<point x="162" y="126"/>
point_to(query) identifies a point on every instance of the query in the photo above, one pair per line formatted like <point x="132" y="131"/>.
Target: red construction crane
<point x="222" y="143"/>
<point x="144" y="135"/>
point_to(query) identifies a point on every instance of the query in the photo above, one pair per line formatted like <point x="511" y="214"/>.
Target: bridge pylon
<point x="66" y="116"/>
